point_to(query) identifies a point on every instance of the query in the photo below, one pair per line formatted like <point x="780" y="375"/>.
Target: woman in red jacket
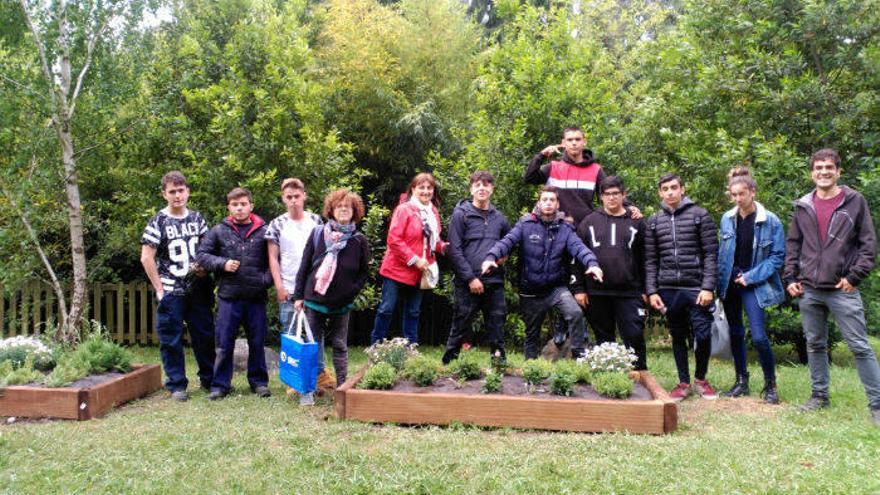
<point x="413" y="241"/>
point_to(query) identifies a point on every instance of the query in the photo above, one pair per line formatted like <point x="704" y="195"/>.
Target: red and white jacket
<point x="405" y="244"/>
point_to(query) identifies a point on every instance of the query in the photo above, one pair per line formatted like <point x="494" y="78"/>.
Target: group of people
<point x="601" y="264"/>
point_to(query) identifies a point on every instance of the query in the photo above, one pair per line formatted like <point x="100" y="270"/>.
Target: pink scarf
<point x="335" y="238"/>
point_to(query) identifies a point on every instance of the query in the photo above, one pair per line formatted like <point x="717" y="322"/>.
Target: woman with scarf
<point x="334" y="269"/>
<point x="413" y="241"/>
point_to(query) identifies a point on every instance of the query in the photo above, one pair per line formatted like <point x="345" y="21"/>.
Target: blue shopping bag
<point x="299" y="357"/>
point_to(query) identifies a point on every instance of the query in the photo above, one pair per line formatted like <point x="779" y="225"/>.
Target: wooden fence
<point x="127" y="310"/>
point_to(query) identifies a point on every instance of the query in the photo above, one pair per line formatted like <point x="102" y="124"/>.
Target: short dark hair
<point x="292" y="183"/>
<point x="482" y="176"/>
<point x="611" y="181"/>
<point x="239" y="192"/>
<point x="669" y="178"/>
<point x="342" y="196"/>
<point x="823" y="155"/>
<point x="550" y="189"/>
<point x="573" y="128"/>
<point x="173" y="177"/>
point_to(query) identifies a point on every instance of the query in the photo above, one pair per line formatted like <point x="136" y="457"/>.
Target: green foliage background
<point x="365" y="93"/>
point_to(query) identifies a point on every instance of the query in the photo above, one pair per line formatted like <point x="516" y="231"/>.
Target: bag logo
<point x="289" y="360"/>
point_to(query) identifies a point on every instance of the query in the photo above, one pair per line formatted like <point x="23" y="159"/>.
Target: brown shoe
<point x="326" y="383"/>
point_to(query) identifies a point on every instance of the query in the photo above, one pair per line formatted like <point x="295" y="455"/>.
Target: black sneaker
<point x="815" y="403"/>
<point x="770" y="394"/>
<point x="217" y="394"/>
<point x="262" y="391"/>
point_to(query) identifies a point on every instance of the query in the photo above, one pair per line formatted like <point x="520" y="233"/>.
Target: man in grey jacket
<point x="830" y="249"/>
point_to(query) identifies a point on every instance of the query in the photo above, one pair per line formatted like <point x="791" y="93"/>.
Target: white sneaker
<point x="307" y="399"/>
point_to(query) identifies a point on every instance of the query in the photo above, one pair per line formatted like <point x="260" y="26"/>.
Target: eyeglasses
<point x="612" y="194"/>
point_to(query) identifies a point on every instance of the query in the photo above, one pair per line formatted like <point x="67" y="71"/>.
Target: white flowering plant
<point x="18" y="349"/>
<point x="609" y="357"/>
<point x="394" y="352"/>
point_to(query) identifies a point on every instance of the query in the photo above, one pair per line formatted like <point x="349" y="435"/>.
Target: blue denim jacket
<point x="768" y="254"/>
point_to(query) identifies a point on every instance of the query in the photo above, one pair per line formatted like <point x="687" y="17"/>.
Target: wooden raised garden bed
<point x="80" y="402"/>
<point x="656" y="416"/>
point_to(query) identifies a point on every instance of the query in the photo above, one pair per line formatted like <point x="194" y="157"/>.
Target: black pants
<point x="491" y="303"/>
<point x="627" y="314"/>
<point x="686" y="320"/>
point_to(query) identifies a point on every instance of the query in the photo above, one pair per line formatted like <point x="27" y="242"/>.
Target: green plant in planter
<point x="562" y="382"/>
<point x="394" y="352"/>
<point x="467" y="365"/>
<point x="16" y="351"/>
<point x="536" y="371"/>
<point x="616" y="385"/>
<point x="21" y="375"/>
<point x="380" y="376"/>
<point x="499" y="364"/>
<point x="492" y="383"/>
<point x="421" y="369"/>
<point x="101" y="355"/>
<point x="71" y="367"/>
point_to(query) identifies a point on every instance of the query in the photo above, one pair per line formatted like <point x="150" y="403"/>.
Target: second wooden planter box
<point x="657" y="416"/>
<point x="80" y="403"/>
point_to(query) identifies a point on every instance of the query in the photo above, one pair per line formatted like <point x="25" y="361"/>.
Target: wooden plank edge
<point x="339" y="395"/>
<point x="670" y="408"/>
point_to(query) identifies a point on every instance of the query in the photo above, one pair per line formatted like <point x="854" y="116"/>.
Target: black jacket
<point x="223" y="243"/>
<point x="471" y="236"/>
<point x="352" y="270"/>
<point x="619" y="243"/>
<point x="681" y="249"/>
<point x="849" y="249"/>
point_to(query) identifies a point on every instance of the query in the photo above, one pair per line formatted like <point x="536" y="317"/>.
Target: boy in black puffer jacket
<point x="235" y="249"/>
<point x="681" y="252"/>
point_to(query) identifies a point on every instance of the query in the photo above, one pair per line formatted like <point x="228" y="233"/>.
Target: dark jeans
<point x="232" y="313"/>
<point x="628" y="315"/>
<point x="171" y="314"/>
<point x="535" y="308"/>
<point x="740" y="298"/>
<point x="491" y="303"/>
<point x="849" y="313"/>
<point x="412" y="302"/>
<point x="334" y="327"/>
<point x="686" y="320"/>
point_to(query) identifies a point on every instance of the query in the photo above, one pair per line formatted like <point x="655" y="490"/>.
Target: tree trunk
<point x="75" y="221"/>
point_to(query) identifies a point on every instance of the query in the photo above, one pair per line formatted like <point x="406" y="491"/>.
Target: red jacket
<point x="405" y="241"/>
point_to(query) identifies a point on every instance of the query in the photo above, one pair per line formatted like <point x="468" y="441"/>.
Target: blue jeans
<point x="232" y="313"/>
<point x="848" y="312"/>
<point x="285" y="314"/>
<point x="737" y="299"/>
<point x="412" y="303"/>
<point x="535" y="308"/>
<point x="171" y="314"/>
<point x="686" y="320"/>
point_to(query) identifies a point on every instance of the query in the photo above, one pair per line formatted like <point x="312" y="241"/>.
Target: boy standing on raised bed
<point x="475" y="227"/>
<point x="618" y="240"/>
<point x="681" y="253"/>
<point x="183" y="290"/>
<point x="546" y="240"/>
<point x="236" y="250"/>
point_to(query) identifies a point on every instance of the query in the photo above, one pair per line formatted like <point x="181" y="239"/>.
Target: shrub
<point x="394" y="352"/>
<point x="467" y="365"/>
<point x="609" y="357"/>
<point x="100" y="354"/>
<point x="25" y="373"/>
<point x="380" y="376"/>
<point x="536" y="371"/>
<point x="615" y="385"/>
<point x="421" y="369"/>
<point x="499" y="364"/>
<point x="562" y="382"/>
<point x="492" y="384"/>
<point x="16" y="350"/>
<point x="70" y="368"/>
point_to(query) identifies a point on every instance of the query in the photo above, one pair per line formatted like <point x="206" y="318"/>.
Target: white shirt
<point x="291" y="237"/>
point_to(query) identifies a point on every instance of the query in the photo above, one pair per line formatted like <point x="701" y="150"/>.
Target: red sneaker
<point x="680" y="391"/>
<point x="705" y="390"/>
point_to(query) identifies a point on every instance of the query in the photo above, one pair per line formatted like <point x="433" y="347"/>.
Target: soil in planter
<point x="87" y="382"/>
<point x="513" y="386"/>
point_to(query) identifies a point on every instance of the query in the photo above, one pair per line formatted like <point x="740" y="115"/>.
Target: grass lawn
<point x="244" y="444"/>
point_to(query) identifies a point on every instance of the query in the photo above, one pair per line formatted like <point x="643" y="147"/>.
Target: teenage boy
<point x="545" y="241"/>
<point x="184" y="291"/>
<point x="287" y="236"/>
<point x="236" y="250"/>
<point x="830" y="249"/>
<point x="681" y="251"/>
<point x="575" y="174"/>
<point x="618" y="241"/>
<point x="475" y="227"/>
